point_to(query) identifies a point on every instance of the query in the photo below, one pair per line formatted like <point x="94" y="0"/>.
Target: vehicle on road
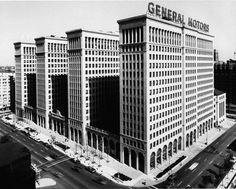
<point x="193" y="166"/>
<point x="58" y="174"/>
<point x="171" y="177"/>
<point x="53" y="156"/>
<point x="101" y="181"/>
<point x="75" y="168"/>
<point x="90" y="169"/>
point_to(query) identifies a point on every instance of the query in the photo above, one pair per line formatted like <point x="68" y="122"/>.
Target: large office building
<point x="224" y="79"/>
<point x="166" y="86"/>
<point x="94" y="89"/>
<point x="52" y="69"/>
<point x="25" y="80"/>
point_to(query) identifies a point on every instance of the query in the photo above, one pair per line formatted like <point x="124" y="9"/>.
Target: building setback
<point x="166" y="89"/>
<point x="219" y="107"/>
<point x="25" y="80"/>
<point x="52" y="69"/>
<point x="94" y="90"/>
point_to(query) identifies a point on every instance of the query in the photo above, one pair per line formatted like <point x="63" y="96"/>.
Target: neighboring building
<point x="15" y="167"/>
<point x="94" y="90"/>
<point x="25" y="80"/>
<point x="5" y="90"/>
<point x="12" y="94"/>
<point x="216" y="55"/>
<point x="7" y="69"/>
<point x="51" y="79"/>
<point x="224" y="79"/>
<point x="219" y="107"/>
<point x="166" y="88"/>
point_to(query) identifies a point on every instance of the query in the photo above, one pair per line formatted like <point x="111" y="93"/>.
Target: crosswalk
<point x="53" y="162"/>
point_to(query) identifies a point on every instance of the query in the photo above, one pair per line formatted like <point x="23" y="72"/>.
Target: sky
<point x="26" y="20"/>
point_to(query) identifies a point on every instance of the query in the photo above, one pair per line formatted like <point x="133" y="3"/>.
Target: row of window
<point x="134" y="143"/>
<point x="57" y="47"/>
<point x="132" y="48"/>
<point x="164" y="130"/>
<point x="163" y="107"/>
<point x="99" y="59"/>
<point x="164" y="89"/>
<point x="164" y="49"/>
<point x="158" y="116"/>
<point x="132" y="35"/>
<point x="100" y="43"/>
<point x="164" y="65"/>
<point x="102" y="53"/>
<point x="57" y="60"/>
<point x="157" y="35"/>
<point x="191" y="125"/>
<point x="106" y="71"/>
<point x="163" y="57"/>
<point x="106" y="65"/>
<point x="59" y="55"/>
<point x="166" y="73"/>
<point x="165" y="138"/>
<point x="29" y="50"/>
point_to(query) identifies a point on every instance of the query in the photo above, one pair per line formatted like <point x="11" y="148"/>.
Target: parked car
<point x="101" y="181"/>
<point x="75" y="168"/>
<point x="90" y="169"/>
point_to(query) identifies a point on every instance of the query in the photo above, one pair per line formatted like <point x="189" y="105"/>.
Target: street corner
<point x="45" y="183"/>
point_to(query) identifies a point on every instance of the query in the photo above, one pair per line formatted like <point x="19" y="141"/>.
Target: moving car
<point x="58" y="174"/>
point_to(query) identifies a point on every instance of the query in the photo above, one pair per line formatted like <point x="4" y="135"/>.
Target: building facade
<point x="25" y="80"/>
<point x="5" y="91"/>
<point x="94" y="90"/>
<point x="219" y="107"/>
<point x="166" y="89"/>
<point x="224" y="80"/>
<point x="51" y="79"/>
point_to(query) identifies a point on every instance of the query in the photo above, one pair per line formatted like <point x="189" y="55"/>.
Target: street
<point x="206" y="160"/>
<point x="41" y="155"/>
<point x="52" y="161"/>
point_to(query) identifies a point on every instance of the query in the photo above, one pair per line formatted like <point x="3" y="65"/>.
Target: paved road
<point x="71" y="179"/>
<point x="206" y="159"/>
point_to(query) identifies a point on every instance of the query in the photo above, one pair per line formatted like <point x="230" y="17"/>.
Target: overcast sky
<point x="24" y="21"/>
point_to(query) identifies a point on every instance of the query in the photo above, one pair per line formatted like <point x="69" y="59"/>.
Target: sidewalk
<point x="108" y="166"/>
<point x="229" y="180"/>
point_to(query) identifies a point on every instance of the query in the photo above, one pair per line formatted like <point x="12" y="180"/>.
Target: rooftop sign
<point x="167" y="14"/>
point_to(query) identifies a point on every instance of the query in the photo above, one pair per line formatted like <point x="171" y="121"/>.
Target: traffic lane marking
<point x="179" y="183"/>
<point x="199" y="173"/>
<point x="210" y="162"/>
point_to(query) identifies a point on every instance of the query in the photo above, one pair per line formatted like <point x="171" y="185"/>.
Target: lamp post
<point x="206" y="135"/>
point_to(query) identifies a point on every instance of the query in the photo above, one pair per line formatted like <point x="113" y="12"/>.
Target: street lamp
<point x="107" y="158"/>
<point x="99" y="161"/>
<point x="206" y="135"/>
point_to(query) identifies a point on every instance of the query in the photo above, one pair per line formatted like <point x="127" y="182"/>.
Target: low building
<point x="15" y="166"/>
<point x="219" y="107"/>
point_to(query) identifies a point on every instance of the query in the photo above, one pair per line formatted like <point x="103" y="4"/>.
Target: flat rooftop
<point x="11" y="151"/>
